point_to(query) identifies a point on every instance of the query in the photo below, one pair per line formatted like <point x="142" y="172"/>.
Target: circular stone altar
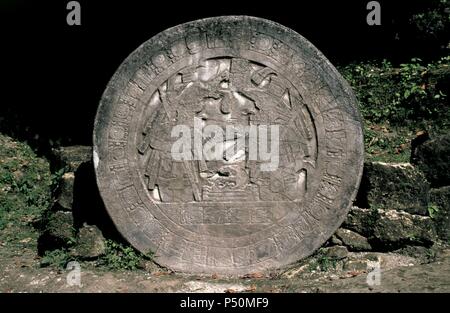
<point x="238" y="212"/>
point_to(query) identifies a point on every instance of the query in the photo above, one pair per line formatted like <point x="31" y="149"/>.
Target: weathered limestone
<point x="227" y="215"/>
<point x="440" y="200"/>
<point x="58" y="231"/>
<point x="71" y="157"/>
<point x="394" y="187"/>
<point x="354" y="241"/>
<point x="90" y="243"/>
<point x="388" y="229"/>
<point x="336" y="252"/>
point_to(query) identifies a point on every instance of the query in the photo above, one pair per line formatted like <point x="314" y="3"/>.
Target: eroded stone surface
<point x="64" y="198"/>
<point x="394" y="186"/>
<point x="354" y="241"/>
<point x="387" y="229"/>
<point x="90" y="243"/>
<point x="58" y="231"/>
<point x="227" y="216"/>
<point x="440" y="201"/>
<point x="71" y="157"/>
<point x="433" y="158"/>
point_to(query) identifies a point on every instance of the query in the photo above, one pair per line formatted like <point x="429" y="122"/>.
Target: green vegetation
<point x="119" y="256"/>
<point x="57" y="258"/>
<point x="322" y="262"/>
<point x="411" y="92"/>
<point x="433" y="210"/>
<point x="432" y="23"/>
<point x="398" y="102"/>
<point x="326" y="263"/>
<point x="372" y="219"/>
<point x="25" y="184"/>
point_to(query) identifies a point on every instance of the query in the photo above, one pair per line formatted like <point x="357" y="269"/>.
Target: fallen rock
<point x="361" y="221"/>
<point x="71" y="157"/>
<point x="440" y="200"/>
<point x="64" y="195"/>
<point x="353" y="240"/>
<point x="336" y="252"/>
<point x="60" y="225"/>
<point x="393" y="186"/>
<point x="433" y="158"/>
<point x="58" y="231"/>
<point x="359" y="261"/>
<point x="390" y="229"/>
<point x="90" y="243"/>
<point x="335" y="241"/>
<point x="395" y="227"/>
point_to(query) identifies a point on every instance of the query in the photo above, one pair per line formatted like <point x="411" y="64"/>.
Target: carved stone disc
<point x="227" y="215"/>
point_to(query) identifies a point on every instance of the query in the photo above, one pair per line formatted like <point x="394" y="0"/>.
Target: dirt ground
<point x="20" y="272"/>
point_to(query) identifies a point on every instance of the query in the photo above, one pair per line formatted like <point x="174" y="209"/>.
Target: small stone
<point x="58" y="231"/>
<point x="71" y="157"/>
<point x="355" y="265"/>
<point x="353" y="240"/>
<point x="335" y="241"/>
<point x="336" y="252"/>
<point x="90" y="243"/>
<point x="60" y="225"/>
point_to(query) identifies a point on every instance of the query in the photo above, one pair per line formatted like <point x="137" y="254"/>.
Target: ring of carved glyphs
<point x="227" y="215"/>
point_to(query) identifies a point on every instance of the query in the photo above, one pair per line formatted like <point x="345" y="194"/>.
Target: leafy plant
<point x="327" y="263"/>
<point x="433" y="210"/>
<point x="24" y="183"/>
<point x="56" y="178"/>
<point x="434" y="22"/>
<point x="57" y="258"/>
<point x="399" y="94"/>
<point x="119" y="257"/>
<point x="323" y="262"/>
<point x="398" y="102"/>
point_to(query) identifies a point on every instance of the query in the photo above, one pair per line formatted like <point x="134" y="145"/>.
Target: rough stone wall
<point x="400" y="207"/>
